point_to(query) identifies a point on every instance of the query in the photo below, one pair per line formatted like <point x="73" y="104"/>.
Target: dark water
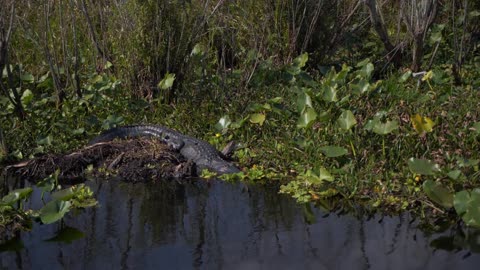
<point x="168" y="226"/>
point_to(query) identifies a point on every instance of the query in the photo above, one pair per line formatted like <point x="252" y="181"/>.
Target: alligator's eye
<point x="196" y="143"/>
<point x="167" y="137"/>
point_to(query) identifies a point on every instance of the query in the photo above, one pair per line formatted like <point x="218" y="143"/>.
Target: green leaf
<point x="405" y="76"/>
<point x="64" y="194"/>
<point x="303" y="101"/>
<point x="438" y="193"/>
<point x="78" y="131"/>
<point x="54" y="211"/>
<point x="385" y="128"/>
<point x="346" y="120"/>
<point x="257" y="118"/>
<point x="333" y="151"/>
<point x="361" y="87"/>
<point x="324" y="174"/>
<point x="301" y="60"/>
<point x="27" y="97"/>
<point x="366" y="71"/>
<point x="45" y="140"/>
<point x="306" y="118"/>
<point x="16" y="195"/>
<point x="330" y="93"/>
<point x="467" y="205"/>
<point x="454" y="174"/>
<point x="223" y="123"/>
<point x="167" y="81"/>
<point x="27" y="77"/>
<point x="423" y="166"/>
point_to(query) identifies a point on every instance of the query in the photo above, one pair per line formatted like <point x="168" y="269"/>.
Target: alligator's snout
<point x="225" y="168"/>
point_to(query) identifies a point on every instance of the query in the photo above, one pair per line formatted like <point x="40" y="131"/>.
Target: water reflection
<point x="217" y="226"/>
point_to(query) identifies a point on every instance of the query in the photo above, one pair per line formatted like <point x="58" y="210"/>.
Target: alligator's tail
<point x="134" y="131"/>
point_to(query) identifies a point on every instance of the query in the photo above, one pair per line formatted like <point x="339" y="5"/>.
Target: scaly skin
<point x="203" y="154"/>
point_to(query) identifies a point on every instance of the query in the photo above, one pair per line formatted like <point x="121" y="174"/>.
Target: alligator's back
<point x="201" y="152"/>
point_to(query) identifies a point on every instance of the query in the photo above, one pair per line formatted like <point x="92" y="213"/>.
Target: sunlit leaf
<point x="423" y="166"/>
<point x="438" y="193"/>
<point x="385" y="128"/>
<point x="303" y="101"/>
<point x="78" y="131"/>
<point x="324" y="174"/>
<point x="27" y="97"/>
<point x="361" y="87"/>
<point x="167" y="81"/>
<point x="27" y="77"/>
<point x="108" y="65"/>
<point x="45" y="140"/>
<point x="306" y="118"/>
<point x="428" y="76"/>
<point x="454" y="174"/>
<point x="333" y="151"/>
<point x="64" y="194"/>
<point x="366" y="71"/>
<point x="257" y="118"/>
<point x="467" y="205"/>
<point x="223" y="123"/>
<point x="422" y="124"/>
<point x="16" y="195"/>
<point x="330" y="92"/>
<point x="301" y="60"/>
<point x="54" y="211"/>
<point x="405" y="76"/>
<point x="346" y="120"/>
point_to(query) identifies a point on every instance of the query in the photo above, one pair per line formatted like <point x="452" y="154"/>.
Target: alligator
<point x="203" y="154"/>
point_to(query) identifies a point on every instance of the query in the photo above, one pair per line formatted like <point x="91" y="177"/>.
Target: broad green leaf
<point x="223" y="123"/>
<point x="108" y="65"/>
<point x="27" y="97"/>
<point x="16" y="195"/>
<point x="423" y="166"/>
<point x="454" y="174"/>
<point x="330" y="92"/>
<point x="438" y="193"/>
<point x="78" y="131"/>
<point x="27" y="77"/>
<point x="467" y="205"/>
<point x="366" y="71"/>
<point x="346" y="120"/>
<point x="54" y="211"/>
<point x="324" y="174"/>
<point x="45" y="140"/>
<point x="361" y="87"/>
<point x="303" y="101"/>
<point x="464" y="162"/>
<point x="306" y="118"/>
<point x="405" y="76"/>
<point x="64" y="194"/>
<point x="474" y="13"/>
<point x="198" y="49"/>
<point x="301" y="60"/>
<point x="167" y="81"/>
<point x="333" y="151"/>
<point x="385" y="128"/>
<point x="422" y="124"/>
<point x="257" y="118"/>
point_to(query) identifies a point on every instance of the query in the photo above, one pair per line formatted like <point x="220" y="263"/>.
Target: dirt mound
<point x="134" y="160"/>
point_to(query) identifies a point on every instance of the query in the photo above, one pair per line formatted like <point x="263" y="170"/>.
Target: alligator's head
<point x="222" y="167"/>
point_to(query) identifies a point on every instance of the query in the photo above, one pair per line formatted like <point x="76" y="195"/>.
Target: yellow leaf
<point x="422" y="123"/>
<point x="428" y="76"/>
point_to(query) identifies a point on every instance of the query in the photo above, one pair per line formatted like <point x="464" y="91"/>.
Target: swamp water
<point x="217" y="226"/>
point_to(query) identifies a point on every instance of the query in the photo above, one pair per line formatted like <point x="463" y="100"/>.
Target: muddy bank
<point x="134" y="160"/>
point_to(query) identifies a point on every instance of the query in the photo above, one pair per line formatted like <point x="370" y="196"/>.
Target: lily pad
<point x="346" y="120"/>
<point x="333" y="151"/>
<point x="423" y="166"/>
<point x="54" y="211"/>
<point x="438" y="193"/>
<point x="16" y="195"/>
<point x="467" y="205"/>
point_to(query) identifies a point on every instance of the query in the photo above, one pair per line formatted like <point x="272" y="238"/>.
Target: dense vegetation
<point x="341" y="102"/>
